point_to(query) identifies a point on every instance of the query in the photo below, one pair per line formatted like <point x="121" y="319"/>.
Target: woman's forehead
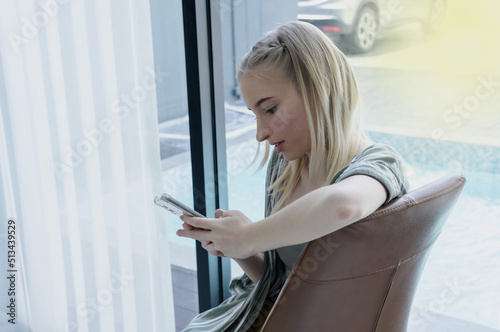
<point x="257" y="84"/>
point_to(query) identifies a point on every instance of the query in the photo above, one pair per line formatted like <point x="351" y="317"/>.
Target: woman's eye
<point x="271" y="110"/>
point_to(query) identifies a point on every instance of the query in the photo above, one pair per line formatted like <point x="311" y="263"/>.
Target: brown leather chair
<point x="363" y="277"/>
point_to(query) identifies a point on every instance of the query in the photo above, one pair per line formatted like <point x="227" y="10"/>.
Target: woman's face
<point x="280" y="114"/>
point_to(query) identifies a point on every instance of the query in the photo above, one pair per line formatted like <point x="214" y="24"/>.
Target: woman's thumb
<point x="219" y="213"/>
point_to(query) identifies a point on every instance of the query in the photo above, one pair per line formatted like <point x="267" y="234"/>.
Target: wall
<point x="168" y="42"/>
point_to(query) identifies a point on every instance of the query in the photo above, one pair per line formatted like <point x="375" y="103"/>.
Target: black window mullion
<point x="208" y="148"/>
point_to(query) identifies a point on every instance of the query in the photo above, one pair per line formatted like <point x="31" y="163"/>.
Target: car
<point x="355" y="24"/>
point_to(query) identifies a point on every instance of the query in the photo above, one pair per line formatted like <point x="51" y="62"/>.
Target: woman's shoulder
<point x="374" y="158"/>
<point x="382" y="162"/>
<point x="378" y="151"/>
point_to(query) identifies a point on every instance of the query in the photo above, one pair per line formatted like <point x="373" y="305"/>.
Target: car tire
<point x="437" y="13"/>
<point x="362" y="38"/>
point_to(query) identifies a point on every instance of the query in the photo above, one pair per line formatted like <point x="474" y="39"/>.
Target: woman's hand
<point x="226" y="235"/>
<point x="205" y="244"/>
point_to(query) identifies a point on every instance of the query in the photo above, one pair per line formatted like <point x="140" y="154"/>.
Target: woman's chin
<point x="290" y="156"/>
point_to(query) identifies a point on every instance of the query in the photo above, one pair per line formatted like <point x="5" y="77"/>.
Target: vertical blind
<point x="80" y="166"/>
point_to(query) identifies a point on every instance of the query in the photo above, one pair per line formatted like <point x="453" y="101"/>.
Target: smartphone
<point x="171" y="204"/>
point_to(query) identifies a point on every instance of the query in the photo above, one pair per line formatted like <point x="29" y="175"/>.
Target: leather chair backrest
<point x="363" y="277"/>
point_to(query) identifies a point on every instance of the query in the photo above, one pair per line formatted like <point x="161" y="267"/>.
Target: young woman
<point x="324" y="173"/>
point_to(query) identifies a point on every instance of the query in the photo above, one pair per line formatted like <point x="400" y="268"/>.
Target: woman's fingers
<point x="197" y="222"/>
<point x="219" y="213"/>
<point x="227" y="233"/>
<point x="195" y="234"/>
<point x="198" y="229"/>
<point x="210" y="248"/>
<point x="187" y="226"/>
<point x="205" y="243"/>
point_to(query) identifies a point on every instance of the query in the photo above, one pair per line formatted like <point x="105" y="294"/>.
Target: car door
<point x="393" y="13"/>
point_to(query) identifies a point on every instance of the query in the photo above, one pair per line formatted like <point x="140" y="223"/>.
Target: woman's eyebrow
<point x="261" y="100"/>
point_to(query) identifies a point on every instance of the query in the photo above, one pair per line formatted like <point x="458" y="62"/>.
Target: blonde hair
<point x="301" y="53"/>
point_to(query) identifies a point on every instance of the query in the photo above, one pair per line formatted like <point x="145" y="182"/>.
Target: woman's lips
<point x="278" y="146"/>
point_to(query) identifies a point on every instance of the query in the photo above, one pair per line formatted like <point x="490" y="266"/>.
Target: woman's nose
<point x="263" y="132"/>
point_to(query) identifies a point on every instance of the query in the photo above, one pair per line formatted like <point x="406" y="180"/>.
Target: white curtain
<point x="79" y="169"/>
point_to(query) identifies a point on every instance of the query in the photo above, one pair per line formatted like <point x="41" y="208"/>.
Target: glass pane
<point x="429" y="77"/>
<point x="173" y="122"/>
<point x="243" y="24"/>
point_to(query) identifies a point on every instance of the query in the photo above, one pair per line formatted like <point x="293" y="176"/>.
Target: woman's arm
<point x="318" y="213"/>
<point x="252" y="266"/>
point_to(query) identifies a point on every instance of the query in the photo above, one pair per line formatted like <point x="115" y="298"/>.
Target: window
<point x="432" y="97"/>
